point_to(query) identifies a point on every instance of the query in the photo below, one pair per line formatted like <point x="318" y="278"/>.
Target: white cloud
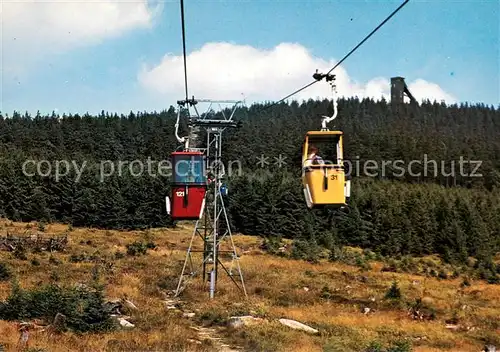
<point x="226" y="71"/>
<point x="32" y="30"/>
<point x="422" y="89"/>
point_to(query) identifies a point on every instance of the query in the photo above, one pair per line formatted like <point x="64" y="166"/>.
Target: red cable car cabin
<point x="189" y="186"/>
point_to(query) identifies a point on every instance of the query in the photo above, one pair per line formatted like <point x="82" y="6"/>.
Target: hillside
<point x="346" y="295"/>
<point x="435" y="209"/>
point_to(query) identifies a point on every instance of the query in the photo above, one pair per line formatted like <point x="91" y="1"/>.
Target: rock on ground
<point x="298" y="326"/>
<point x="125" y="323"/>
<point x="246" y="320"/>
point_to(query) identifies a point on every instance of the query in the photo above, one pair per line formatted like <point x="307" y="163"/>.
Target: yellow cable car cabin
<point x="323" y="173"/>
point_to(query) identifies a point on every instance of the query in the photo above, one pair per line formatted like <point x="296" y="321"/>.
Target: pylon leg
<point x="235" y="254"/>
<point x="188" y="258"/>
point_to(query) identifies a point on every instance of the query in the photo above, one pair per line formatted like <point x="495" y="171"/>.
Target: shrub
<point x="392" y="265"/>
<point x="406" y="264"/>
<point x="360" y="262"/>
<point x="342" y="255"/>
<point x="272" y="244"/>
<point x="41" y="226"/>
<point x="326" y="293"/>
<point x="151" y="245"/>
<point x="305" y="250"/>
<point x="212" y="317"/>
<point x="54" y="276"/>
<point x="77" y="258"/>
<point x="400" y="346"/>
<point x="465" y="282"/>
<point x="442" y="274"/>
<point x="20" y="253"/>
<point x="5" y="273"/>
<point x="421" y="310"/>
<point x="397" y="346"/>
<point x="394" y="292"/>
<point x="493" y="279"/>
<point x="137" y="248"/>
<point x="374" y="346"/>
<point x="84" y="308"/>
<point x="338" y="254"/>
<point x="54" y="260"/>
<point x="369" y="255"/>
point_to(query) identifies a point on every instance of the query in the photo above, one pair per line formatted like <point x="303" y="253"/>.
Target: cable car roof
<point x="323" y="136"/>
<point x="187" y="153"/>
<point x="323" y="133"/>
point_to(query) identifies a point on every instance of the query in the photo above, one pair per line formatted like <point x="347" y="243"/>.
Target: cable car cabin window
<point x="189" y="169"/>
<point x="323" y="152"/>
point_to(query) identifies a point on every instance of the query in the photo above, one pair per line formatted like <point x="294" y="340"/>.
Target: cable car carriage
<point x="189" y="186"/>
<point x="324" y="178"/>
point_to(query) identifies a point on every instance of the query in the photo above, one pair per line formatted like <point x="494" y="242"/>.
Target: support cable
<point x="184" y="50"/>
<point x="345" y="57"/>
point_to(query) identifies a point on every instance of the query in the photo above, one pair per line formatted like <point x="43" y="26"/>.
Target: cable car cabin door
<point x="324" y="185"/>
<point x="188" y="202"/>
<point x="323" y="178"/>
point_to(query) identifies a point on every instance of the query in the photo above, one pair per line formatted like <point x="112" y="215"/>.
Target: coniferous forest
<point x="442" y="206"/>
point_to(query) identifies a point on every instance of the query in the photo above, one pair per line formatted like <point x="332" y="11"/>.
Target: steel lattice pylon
<point x="214" y="227"/>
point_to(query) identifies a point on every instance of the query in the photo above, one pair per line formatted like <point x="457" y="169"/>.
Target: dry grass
<point x="327" y="296"/>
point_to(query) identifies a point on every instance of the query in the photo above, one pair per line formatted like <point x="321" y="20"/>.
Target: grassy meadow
<point x="352" y="306"/>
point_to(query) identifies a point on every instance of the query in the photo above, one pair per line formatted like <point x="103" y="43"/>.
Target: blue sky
<point x="451" y="44"/>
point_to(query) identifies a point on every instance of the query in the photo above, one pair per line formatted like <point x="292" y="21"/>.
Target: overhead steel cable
<point x="369" y="35"/>
<point x="184" y="49"/>
<point x="346" y="56"/>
